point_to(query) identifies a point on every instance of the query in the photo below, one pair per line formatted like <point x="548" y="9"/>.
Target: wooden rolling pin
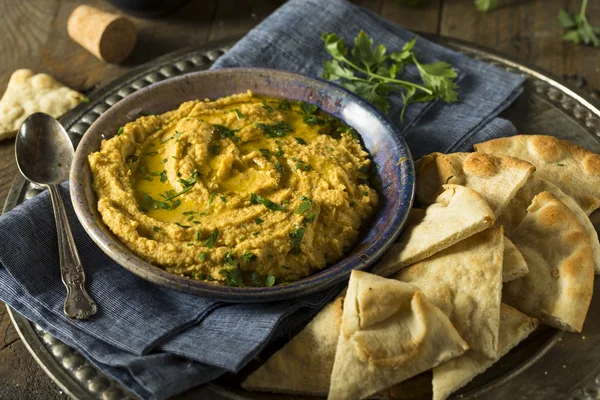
<point x="110" y="37"/>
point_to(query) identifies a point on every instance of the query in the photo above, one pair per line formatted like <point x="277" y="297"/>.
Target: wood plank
<point x="419" y="19"/>
<point x="528" y="31"/>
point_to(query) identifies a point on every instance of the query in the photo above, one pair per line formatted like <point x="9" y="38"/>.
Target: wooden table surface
<point x="33" y="35"/>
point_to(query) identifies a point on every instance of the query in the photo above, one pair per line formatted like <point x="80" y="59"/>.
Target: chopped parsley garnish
<point x="285" y="267"/>
<point x="191" y="181"/>
<point x="148" y="178"/>
<point x="189" y="212"/>
<point x="85" y="100"/>
<point x="308" y="108"/>
<point x="233" y="277"/>
<point x="352" y="204"/>
<point x="238" y="113"/>
<point x="285" y="104"/>
<point x="268" y="108"/>
<point x="265" y="152"/>
<point x="120" y="131"/>
<point x="300" y="140"/>
<point x="269" y="280"/>
<point x="296" y="237"/>
<point x="182" y="226"/>
<point x="278" y="129"/>
<point x="164" y="161"/>
<point x="191" y="217"/>
<point x="227" y="133"/>
<point x="257" y="199"/>
<point x="156" y="204"/>
<point x="223" y="199"/>
<point x="302" y="166"/>
<point x="155" y="228"/>
<point x="214" y="149"/>
<point x="365" y="194"/>
<point x="258" y="221"/>
<point x="229" y="258"/>
<point x="279" y="152"/>
<point x="249" y="257"/>
<point x="212" y="239"/>
<point x="304" y="206"/>
<point x="132" y="158"/>
<point x="561" y="165"/>
<point x="254" y="278"/>
<point x="152" y="153"/>
<point x="279" y="167"/>
<point x="174" y="136"/>
<point x="163" y="176"/>
<point x="310" y="217"/>
<point x="202" y="256"/>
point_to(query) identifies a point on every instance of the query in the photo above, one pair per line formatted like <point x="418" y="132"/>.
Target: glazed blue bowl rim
<point x="318" y="281"/>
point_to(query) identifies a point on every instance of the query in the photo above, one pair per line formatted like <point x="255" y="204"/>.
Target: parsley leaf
<point x="285" y="104"/>
<point x="308" y="108"/>
<point x="257" y="199"/>
<point x="269" y="280"/>
<point x="227" y="133"/>
<point x="238" y="113"/>
<point x="300" y="140"/>
<point x="579" y="30"/>
<point x="296" y="237"/>
<point x="487" y="5"/>
<point x="305" y="205"/>
<point x="249" y="257"/>
<point x="278" y="129"/>
<point x="372" y="73"/>
<point x="233" y="277"/>
<point x="212" y="239"/>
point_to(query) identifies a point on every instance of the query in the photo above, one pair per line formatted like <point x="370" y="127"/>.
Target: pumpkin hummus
<point x="244" y="190"/>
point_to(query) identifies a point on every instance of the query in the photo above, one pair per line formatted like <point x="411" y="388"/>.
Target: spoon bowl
<point x="43" y="149"/>
<point x="44" y="155"/>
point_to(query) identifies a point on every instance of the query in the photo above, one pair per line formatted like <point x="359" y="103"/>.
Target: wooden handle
<point x="110" y="37"/>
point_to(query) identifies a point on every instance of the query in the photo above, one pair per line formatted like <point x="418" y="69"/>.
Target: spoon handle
<point x="78" y="303"/>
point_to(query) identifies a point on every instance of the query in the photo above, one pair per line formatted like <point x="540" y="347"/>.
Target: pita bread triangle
<point x="457" y="213"/>
<point x="387" y="330"/>
<point x="465" y="282"/>
<point x="558" y="288"/>
<point x="575" y="170"/>
<point x="517" y="209"/>
<point x="456" y="373"/>
<point x="497" y="178"/>
<point x="514" y="265"/>
<point x="27" y="93"/>
<point x="304" y="364"/>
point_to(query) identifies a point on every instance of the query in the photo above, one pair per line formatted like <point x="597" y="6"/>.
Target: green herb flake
<point x="182" y="226"/>
<point x="279" y="167"/>
<point x="279" y="152"/>
<point x="257" y="199"/>
<point x="296" y="237"/>
<point x="210" y="242"/>
<point x="258" y="221"/>
<point x="285" y="267"/>
<point x="561" y="165"/>
<point x="277" y="129"/>
<point x="223" y="199"/>
<point x="352" y="204"/>
<point x="214" y="149"/>
<point x="164" y="161"/>
<point x="249" y="257"/>
<point x="285" y="104"/>
<point x="233" y="277"/>
<point x="152" y="153"/>
<point x="120" y="131"/>
<point x="132" y="158"/>
<point x="155" y="228"/>
<point x="84" y="100"/>
<point x="202" y="256"/>
<point x="269" y="280"/>
<point x="365" y="194"/>
<point x="305" y="205"/>
<point x="163" y="176"/>
<point x="238" y="113"/>
<point x="229" y="259"/>
<point x="310" y="217"/>
<point x="268" y="108"/>
<point x="265" y="152"/>
<point x="307" y="108"/>
<point x="227" y="133"/>
<point x="175" y="136"/>
<point x="300" y="140"/>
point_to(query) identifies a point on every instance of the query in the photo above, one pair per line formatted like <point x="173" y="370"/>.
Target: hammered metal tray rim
<point x="76" y="389"/>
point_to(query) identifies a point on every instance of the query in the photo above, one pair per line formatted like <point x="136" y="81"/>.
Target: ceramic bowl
<point x="394" y="169"/>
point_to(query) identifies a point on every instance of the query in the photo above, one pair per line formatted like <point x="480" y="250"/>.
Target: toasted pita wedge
<point x="457" y="213"/>
<point x="303" y="366"/>
<point x="388" y="328"/>
<point x="575" y="170"/>
<point x="517" y="209"/>
<point x="496" y="178"/>
<point x="465" y="282"/>
<point x="514" y="265"/>
<point x="456" y="373"/>
<point x="558" y="288"/>
<point x="27" y="93"/>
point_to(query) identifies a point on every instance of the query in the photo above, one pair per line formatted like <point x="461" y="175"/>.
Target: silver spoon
<point x="44" y="155"/>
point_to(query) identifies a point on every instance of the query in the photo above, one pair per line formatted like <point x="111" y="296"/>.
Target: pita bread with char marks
<point x="457" y="213"/>
<point x="558" y="288"/>
<point x="390" y="332"/>
<point x="465" y="282"/>
<point x="495" y="177"/>
<point x="456" y="373"/>
<point x="303" y="366"/>
<point x="575" y="170"/>
<point x="514" y="265"/>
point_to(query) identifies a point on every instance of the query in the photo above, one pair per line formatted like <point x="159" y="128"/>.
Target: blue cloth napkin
<point x="158" y="342"/>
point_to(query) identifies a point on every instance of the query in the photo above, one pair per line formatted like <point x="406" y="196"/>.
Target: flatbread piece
<point x="465" y="282"/>
<point x="575" y="170"/>
<point x="514" y="265"/>
<point x="497" y="178"/>
<point x="390" y="332"/>
<point x="456" y="373"/>
<point x="558" y="288"/>
<point x="27" y="93"/>
<point x="456" y="214"/>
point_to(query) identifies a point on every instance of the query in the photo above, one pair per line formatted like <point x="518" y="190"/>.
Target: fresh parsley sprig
<point x="579" y="29"/>
<point x="372" y="73"/>
<point x="487" y="5"/>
